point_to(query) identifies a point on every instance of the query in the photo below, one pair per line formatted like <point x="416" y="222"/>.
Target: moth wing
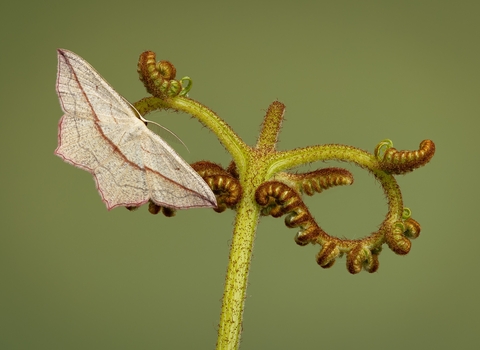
<point x="86" y="95"/>
<point x="101" y="133"/>
<point x="171" y="180"/>
<point x="165" y="177"/>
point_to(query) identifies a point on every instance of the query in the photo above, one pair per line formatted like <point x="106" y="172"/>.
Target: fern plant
<point x="257" y="183"/>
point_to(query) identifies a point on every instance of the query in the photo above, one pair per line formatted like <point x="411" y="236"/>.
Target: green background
<point x="76" y="276"/>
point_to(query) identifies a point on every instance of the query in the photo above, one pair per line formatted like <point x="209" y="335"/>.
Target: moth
<point x="102" y="133"/>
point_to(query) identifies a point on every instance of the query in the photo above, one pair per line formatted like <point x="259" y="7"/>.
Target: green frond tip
<point x="406" y="213"/>
<point x="185" y="88"/>
<point x="382" y="147"/>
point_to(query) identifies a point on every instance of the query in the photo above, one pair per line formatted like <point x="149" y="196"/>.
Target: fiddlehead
<point x="159" y="77"/>
<point x="402" y="162"/>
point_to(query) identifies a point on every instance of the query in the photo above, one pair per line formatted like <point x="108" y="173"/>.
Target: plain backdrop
<point x="76" y="276"/>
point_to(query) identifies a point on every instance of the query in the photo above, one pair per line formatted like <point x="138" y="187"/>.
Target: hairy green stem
<point x="234" y="145"/>
<point x="233" y="302"/>
<point x="281" y="161"/>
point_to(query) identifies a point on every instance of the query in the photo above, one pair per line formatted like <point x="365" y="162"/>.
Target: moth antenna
<point x="151" y="121"/>
<point x="164" y="128"/>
